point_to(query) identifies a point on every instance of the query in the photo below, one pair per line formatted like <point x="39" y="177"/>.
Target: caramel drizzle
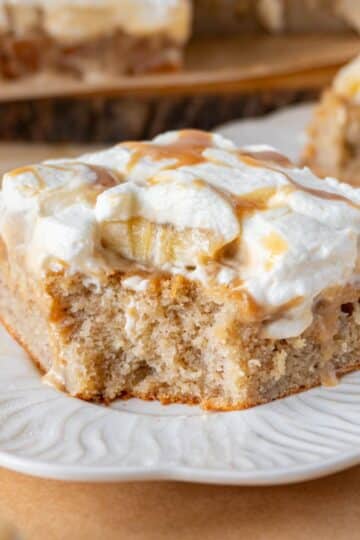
<point x="256" y="200"/>
<point x="252" y="311"/>
<point x="29" y="169"/>
<point x="186" y="150"/>
<point x="274" y="313"/>
<point x="105" y="177"/>
<point x="249" y="202"/>
<point x="270" y="156"/>
<point x="325" y="195"/>
<point x="256" y="159"/>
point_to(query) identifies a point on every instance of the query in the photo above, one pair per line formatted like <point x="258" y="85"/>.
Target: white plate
<point x="285" y="129"/>
<point x="45" y="433"/>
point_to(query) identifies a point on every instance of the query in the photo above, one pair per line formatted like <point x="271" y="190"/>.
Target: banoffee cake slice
<point x="182" y="269"/>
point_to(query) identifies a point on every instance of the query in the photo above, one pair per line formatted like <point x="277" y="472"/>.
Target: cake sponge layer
<point x="172" y="342"/>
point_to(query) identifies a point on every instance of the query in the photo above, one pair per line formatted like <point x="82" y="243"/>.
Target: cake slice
<point x="333" y="146"/>
<point x="88" y="38"/>
<point x="182" y="269"/>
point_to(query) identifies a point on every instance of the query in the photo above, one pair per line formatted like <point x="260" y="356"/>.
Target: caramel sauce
<point x="250" y="202"/>
<point x="275" y="243"/>
<point x="248" y="310"/>
<point x="251" y="311"/>
<point x="277" y="312"/>
<point x="22" y="170"/>
<point x="186" y="150"/>
<point x="200" y="184"/>
<point x="256" y="160"/>
<point x="88" y="192"/>
<point x="3" y="251"/>
<point x="105" y="177"/>
<point x="252" y="156"/>
<point x="326" y="195"/>
<point x="327" y="324"/>
<point x="327" y="320"/>
<point x="154" y="181"/>
<point x="29" y="169"/>
<point x="290" y="304"/>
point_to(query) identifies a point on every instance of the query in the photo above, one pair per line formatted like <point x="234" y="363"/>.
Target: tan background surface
<point x="323" y="509"/>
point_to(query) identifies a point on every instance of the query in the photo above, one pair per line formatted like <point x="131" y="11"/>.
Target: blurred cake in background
<point x="232" y="56"/>
<point x="333" y="147"/>
<point x="275" y="15"/>
<point x="86" y="37"/>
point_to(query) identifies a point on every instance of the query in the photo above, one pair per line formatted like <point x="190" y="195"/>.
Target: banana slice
<point x="148" y="243"/>
<point x="171" y="222"/>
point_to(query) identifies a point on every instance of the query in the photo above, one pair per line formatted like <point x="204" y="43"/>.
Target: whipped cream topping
<point x="190" y="203"/>
<point x="347" y="81"/>
<point x="73" y="21"/>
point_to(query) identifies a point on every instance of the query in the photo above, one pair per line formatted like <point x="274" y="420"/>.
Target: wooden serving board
<point x="223" y="79"/>
<point x="216" y="65"/>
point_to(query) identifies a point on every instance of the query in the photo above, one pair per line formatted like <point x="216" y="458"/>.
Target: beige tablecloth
<point x="326" y="509"/>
